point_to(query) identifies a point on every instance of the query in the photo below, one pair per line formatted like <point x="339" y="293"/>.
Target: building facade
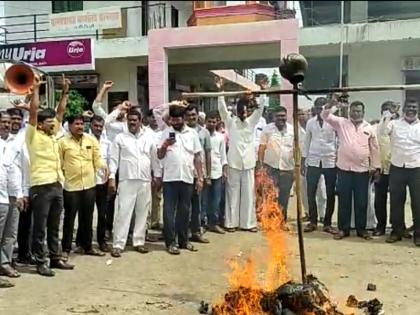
<point x="380" y="46"/>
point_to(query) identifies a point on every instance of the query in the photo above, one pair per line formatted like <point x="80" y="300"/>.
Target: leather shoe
<point x="216" y="229"/>
<point x="104" y="248"/>
<point x="116" y="253"/>
<point x="45" y="271"/>
<point x="198" y="238"/>
<point x="393" y="238"/>
<point x="365" y="235"/>
<point x="417" y="241"/>
<point x="60" y="264"/>
<point x="340" y="235"/>
<point x="310" y="227"/>
<point x="378" y="233"/>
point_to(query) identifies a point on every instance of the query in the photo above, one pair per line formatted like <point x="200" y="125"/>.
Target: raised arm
<point x="262" y="102"/>
<point x="34" y="104"/>
<point x="61" y="108"/>
<point x="97" y="103"/>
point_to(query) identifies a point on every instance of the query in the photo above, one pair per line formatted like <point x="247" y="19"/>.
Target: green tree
<point x="274" y="100"/>
<point x="76" y="103"/>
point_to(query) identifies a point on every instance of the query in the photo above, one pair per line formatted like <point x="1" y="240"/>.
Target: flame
<point x="246" y="292"/>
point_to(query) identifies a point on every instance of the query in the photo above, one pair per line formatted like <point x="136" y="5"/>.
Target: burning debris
<point x="278" y="295"/>
<point x="289" y="299"/>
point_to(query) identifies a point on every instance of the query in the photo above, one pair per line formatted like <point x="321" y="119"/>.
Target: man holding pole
<point x="240" y="202"/>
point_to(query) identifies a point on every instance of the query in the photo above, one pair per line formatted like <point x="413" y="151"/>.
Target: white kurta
<point x="240" y="201"/>
<point x="133" y="195"/>
<point x="135" y="156"/>
<point x="240" y="195"/>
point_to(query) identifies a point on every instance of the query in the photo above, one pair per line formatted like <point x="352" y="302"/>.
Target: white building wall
<point x="122" y="72"/>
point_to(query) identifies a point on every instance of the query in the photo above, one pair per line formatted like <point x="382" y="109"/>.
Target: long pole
<point x="372" y="88"/>
<point x="297" y="158"/>
<point x="341" y="45"/>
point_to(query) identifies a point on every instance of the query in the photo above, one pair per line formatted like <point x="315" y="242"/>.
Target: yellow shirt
<point x="44" y="156"/>
<point x="81" y="159"/>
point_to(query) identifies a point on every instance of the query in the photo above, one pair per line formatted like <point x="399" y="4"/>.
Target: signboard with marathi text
<point x="62" y="55"/>
<point x="86" y="20"/>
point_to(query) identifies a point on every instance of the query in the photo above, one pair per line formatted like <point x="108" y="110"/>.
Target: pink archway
<point x="283" y="32"/>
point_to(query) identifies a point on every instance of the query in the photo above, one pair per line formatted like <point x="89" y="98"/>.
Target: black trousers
<point x="399" y="179"/>
<point x="47" y="205"/>
<point x="312" y="178"/>
<point x="82" y="203"/>
<point x="381" y="200"/>
<point x="284" y="181"/>
<point x="102" y="206"/>
<point x="176" y="212"/>
<point x="24" y="234"/>
<point x="111" y="206"/>
<point x="352" y="188"/>
<point x="195" y="222"/>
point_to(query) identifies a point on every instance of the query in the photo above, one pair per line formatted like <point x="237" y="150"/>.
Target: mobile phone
<point x="172" y="135"/>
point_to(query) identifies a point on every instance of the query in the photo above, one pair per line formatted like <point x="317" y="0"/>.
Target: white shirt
<point x="113" y="126"/>
<point x="279" y="147"/>
<point x="320" y="144"/>
<point x="241" y="154"/>
<point x="218" y="154"/>
<point x="105" y="145"/>
<point x="135" y="156"/>
<point x="257" y="133"/>
<point x="405" y="142"/>
<point x="157" y="135"/>
<point x="204" y="136"/>
<point x="25" y="169"/>
<point x="10" y="177"/>
<point x="178" y="163"/>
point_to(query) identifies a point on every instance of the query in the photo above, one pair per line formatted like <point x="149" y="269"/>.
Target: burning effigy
<point x="278" y="294"/>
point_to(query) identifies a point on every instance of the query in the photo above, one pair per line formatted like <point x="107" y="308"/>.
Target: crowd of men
<point x="186" y="172"/>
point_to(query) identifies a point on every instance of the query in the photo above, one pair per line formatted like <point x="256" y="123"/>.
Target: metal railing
<point x="247" y="73"/>
<point x="35" y="27"/>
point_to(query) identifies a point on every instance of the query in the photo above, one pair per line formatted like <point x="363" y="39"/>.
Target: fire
<point x="277" y="293"/>
<point x="246" y="292"/>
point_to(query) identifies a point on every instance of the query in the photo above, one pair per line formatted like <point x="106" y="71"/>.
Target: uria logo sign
<point x="62" y="55"/>
<point x="75" y="49"/>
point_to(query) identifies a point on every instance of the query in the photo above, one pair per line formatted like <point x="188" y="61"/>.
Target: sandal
<point x="253" y="230"/>
<point x="141" y="249"/>
<point x="8" y="271"/>
<point x="94" y="252"/>
<point x="189" y="247"/>
<point x="330" y="230"/>
<point x="173" y="250"/>
<point x="230" y="230"/>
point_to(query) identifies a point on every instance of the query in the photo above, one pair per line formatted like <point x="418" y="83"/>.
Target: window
<point x="174" y="17"/>
<point x="315" y="13"/>
<point x="66" y="6"/>
<point x="379" y="11"/>
<point x="324" y="72"/>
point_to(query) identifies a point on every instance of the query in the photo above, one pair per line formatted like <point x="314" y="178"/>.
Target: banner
<point x="87" y="20"/>
<point x="63" y="55"/>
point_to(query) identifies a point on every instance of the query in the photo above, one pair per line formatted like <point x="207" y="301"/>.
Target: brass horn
<point x="19" y="79"/>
